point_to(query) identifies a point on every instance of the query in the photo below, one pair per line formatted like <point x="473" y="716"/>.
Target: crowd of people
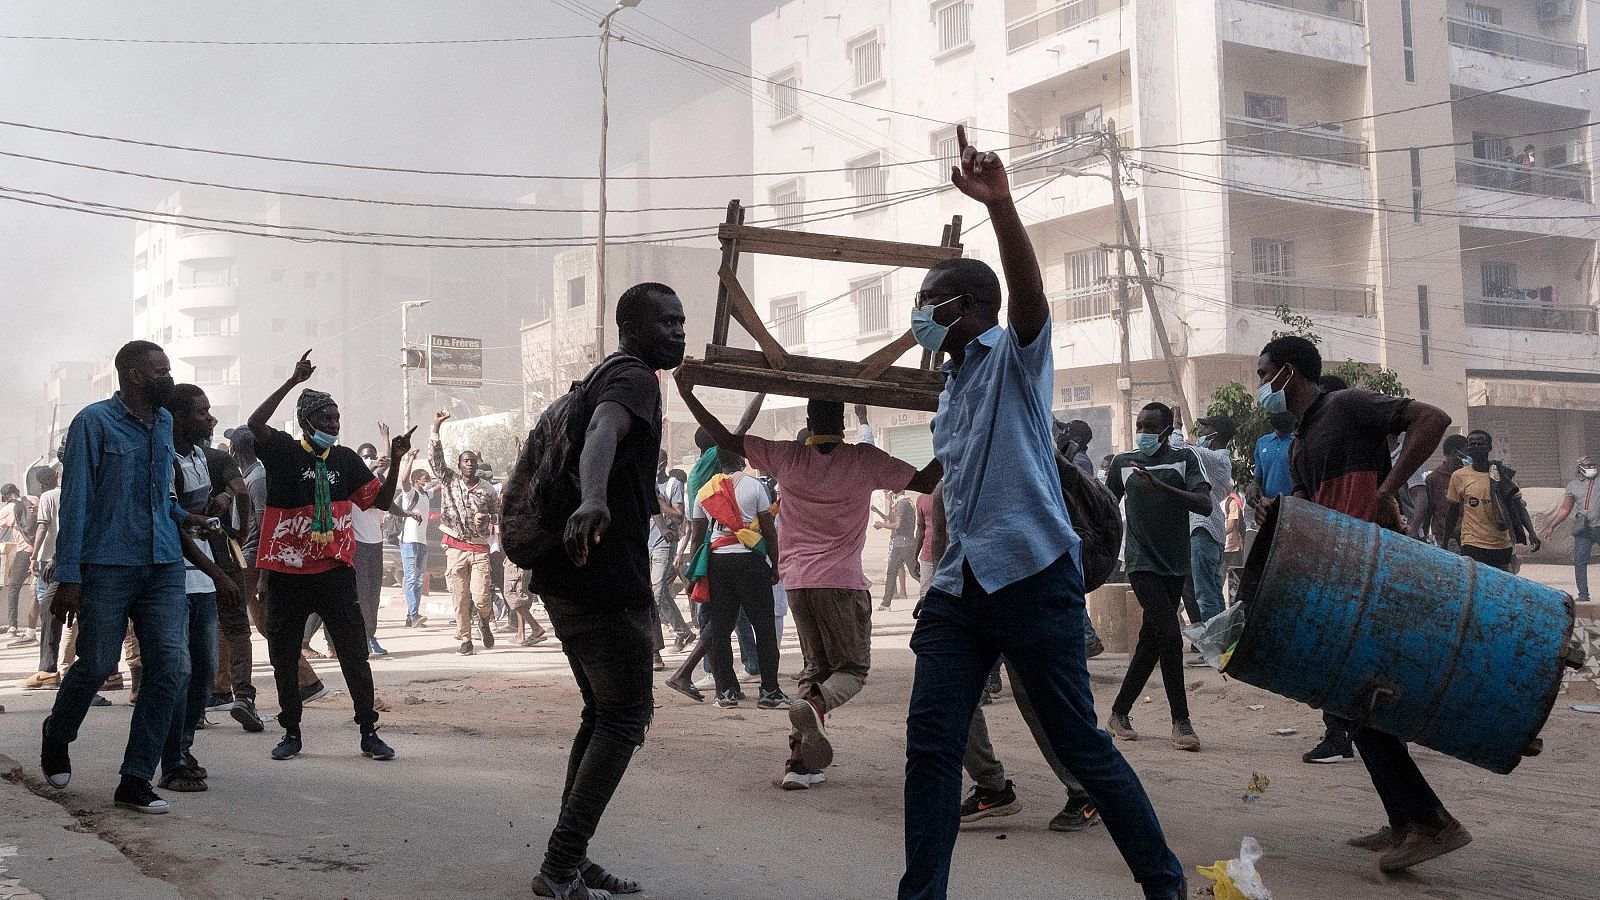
<point x="160" y="547"/>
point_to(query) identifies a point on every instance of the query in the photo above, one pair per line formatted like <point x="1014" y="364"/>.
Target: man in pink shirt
<point x="826" y="486"/>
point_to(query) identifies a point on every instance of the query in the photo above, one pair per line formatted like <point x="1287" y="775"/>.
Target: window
<point x="1480" y="14"/>
<point x="577" y="291"/>
<point x="946" y="152"/>
<point x="1407" y="53"/>
<point x="868" y="178"/>
<point x="1423" y="325"/>
<point x="1499" y="279"/>
<point x="1271" y="259"/>
<point x="1486" y="34"/>
<point x="140" y="304"/>
<point x="1086" y="269"/>
<point x="166" y="335"/>
<point x="215" y="273"/>
<point x="210" y="326"/>
<point x="276" y="275"/>
<point x="866" y="57"/>
<point x="789" y="321"/>
<point x="953" y="22"/>
<point x="872" y="306"/>
<point x="1266" y="107"/>
<point x="312" y="327"/>
<point x="1491" y="146"/>
<point x="166" y="288"/>
<point x="1083" y="122"/>
<point x="212" y="373"/>
<point x="783" y="90"/>
<point x="1416" y="185"/>
<point x="786" y="200"/>
<point x="311" y="281"/>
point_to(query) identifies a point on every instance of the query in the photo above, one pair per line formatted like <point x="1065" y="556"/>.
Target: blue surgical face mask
<point x="1147" y="442"/>
<point x="1203" y="442"/>
<point x="1274" y="401"/>
<point x="322" y="440"/>
<point x="929" y="333"/>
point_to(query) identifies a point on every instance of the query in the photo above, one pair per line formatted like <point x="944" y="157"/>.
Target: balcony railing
<point x="1097" y="301"/>
<point x="1571" y="181"/>
<point x="1056" y="19"/>
<point x="1303" y="141"/>
<point x="1529" y="316"/>
<point x="1054" y="155"/>
<point x="1515" y="45"/>
<point x="1349" y="10"/>
<point x="1304" y="296"/>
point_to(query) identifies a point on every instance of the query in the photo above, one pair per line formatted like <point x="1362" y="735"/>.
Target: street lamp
<point x="405" y="361"/>
<point x="600" y="220"/>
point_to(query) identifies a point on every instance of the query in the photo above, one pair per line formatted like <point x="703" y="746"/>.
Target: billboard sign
<point x="455" y="361"/>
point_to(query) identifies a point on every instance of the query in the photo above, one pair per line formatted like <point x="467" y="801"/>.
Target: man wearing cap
<point x="308" y="544"/>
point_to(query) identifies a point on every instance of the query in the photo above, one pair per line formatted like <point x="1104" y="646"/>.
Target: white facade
<point x="1269" y="169"/>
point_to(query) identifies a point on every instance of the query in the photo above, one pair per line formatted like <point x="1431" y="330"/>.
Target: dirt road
<point x="482" y="740"/>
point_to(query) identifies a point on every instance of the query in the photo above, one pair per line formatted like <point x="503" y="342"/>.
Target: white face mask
<point x="1588" y="472"/>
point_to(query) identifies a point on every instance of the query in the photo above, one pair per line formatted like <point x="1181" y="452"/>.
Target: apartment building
<point x="235" y="312"/>
<point x="1413" y="175"/>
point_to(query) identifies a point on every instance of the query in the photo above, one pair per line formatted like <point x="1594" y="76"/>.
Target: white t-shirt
<point x="752" y="497"/>
<point x="669" y="491"/>
<point x="367" y="523"/>
<point x="195" y="481"/>
<point x="414" y="532"/>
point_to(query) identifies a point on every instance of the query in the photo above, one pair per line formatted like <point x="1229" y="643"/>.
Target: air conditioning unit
<point x="1553" y="12"/>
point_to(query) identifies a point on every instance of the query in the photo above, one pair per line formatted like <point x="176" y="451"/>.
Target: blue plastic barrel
<point x="1401" y="636"/>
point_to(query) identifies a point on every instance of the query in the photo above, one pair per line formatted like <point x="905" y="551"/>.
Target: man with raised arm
<point x="1005" y="585"/>
<point x="308" y="543"/>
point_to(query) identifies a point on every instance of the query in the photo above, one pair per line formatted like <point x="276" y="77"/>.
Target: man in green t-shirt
<point x="1159" y="485"/>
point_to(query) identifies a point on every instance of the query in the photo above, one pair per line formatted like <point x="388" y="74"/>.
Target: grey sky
<point x="65" y="278"/>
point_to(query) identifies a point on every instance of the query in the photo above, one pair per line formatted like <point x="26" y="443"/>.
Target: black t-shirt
<point x="617" y="575"/>
<point x="1341" y="451"/>
<point x="905" y="514"/>
<point x="286" y="544"/>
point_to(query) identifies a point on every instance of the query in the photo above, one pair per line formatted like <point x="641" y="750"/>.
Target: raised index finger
<point x="961" y="137"/>
<point x="306" y="356"/>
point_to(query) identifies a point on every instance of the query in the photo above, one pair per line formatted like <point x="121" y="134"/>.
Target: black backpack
<point x="1098" y="520"/>
<point x="543" y="490"/>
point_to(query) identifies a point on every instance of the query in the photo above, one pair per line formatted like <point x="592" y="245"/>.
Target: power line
<point x="1356" y="153"/>
<point x="221" y="43"/>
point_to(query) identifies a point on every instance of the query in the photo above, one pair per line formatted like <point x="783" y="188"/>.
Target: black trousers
<point x="901" y="556"/>
<point x="1500" y="559"/>
<point x="291" y="599"/>
<point x="741" y="581"/>
<point x="609" y="651"/>
<point x="1160" y="641"/>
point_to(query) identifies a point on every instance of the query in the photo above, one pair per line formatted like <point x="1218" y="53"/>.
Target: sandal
<point x="596" y="877"/>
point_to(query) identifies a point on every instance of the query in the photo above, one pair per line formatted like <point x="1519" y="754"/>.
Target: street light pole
<point x="405" y="361"/>
<point x="600" y="206"/>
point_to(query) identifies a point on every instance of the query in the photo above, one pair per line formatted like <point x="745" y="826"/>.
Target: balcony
<point x="1521" y="315"/>
<point x="1061" y="17"/>
<point x="1303" y="141"/>
<point x="1057" y="156"/>
<point x="1348" y="10"/>
<point x="1498" y="41"/>
<point x="190" y="297"/>
<point x="1301" y="295"/>
<point x="1087" y="304"/>
<point x="1569" y="182"/>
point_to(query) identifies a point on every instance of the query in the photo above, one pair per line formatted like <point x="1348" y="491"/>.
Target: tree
<point x="1239" y="402"/>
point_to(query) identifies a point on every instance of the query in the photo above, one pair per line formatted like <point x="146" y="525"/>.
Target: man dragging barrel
<point x="1341" y="461"/>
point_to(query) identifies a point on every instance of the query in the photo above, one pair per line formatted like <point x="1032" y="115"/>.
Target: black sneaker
<point x="487" y="633"/>
<point x="1078" y="815"/>
<point x="244" y="712"/>
<point x="774" y="700"/>
<point x="981" y="803"/>
<point x="219" y="701"/>
<point x="1332" y="749"/>
<point x="288" y="748"/>
<point x="374" y="747"/>
<point x="54" y="758"/>
<point x="136" y="794"/>
<point x="1093" y="648"/>
<point x="100" y="700"/>
<point x="310" y="693"/>
<point x="465" y="649"/>
<point x="728" y="699"/>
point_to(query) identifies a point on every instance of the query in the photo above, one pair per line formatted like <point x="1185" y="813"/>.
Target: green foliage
<point x="1239" y="402"/>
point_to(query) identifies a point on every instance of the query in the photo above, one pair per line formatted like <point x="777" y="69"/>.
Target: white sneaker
<point x="706" y="682"/>
<point x="797" y="781"/>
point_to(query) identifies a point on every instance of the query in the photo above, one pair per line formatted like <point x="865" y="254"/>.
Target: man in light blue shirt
<point x="1272" y="458"/>
<point x="1007" y="583"/>
<point x="119" y="557"/>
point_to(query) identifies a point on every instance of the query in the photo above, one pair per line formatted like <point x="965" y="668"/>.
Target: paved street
<point x="465" y="809"/>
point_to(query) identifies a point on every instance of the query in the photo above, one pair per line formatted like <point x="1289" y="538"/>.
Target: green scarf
<point x="322" y="499"/>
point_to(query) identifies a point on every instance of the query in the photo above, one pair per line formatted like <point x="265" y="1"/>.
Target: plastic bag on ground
<point x="1237" y="879"/>
<point x="1217" y="635"/>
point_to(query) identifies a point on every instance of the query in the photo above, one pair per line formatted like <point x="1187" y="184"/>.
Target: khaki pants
<point x="467" y="575"/>
<point x="835" y="630"/>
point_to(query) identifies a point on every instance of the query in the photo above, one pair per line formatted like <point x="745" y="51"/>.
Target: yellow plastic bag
<point x="1237" y="879"/>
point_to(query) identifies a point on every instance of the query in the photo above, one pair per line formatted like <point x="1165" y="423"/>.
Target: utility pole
<point x="1125" y="364"/>
<point x="1131" y="243"/>
<point x="405" y="361"/>
<point x="600" y="206"/>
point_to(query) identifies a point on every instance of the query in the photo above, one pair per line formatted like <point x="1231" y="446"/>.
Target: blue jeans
<point x="202" y="672"/>
<point x="153" y="598"/>
<point x="1582" y="548"/>
<point x="414" y="566"/>
<point x="1205" y="565"/>
<point x="1038" y="624"/>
